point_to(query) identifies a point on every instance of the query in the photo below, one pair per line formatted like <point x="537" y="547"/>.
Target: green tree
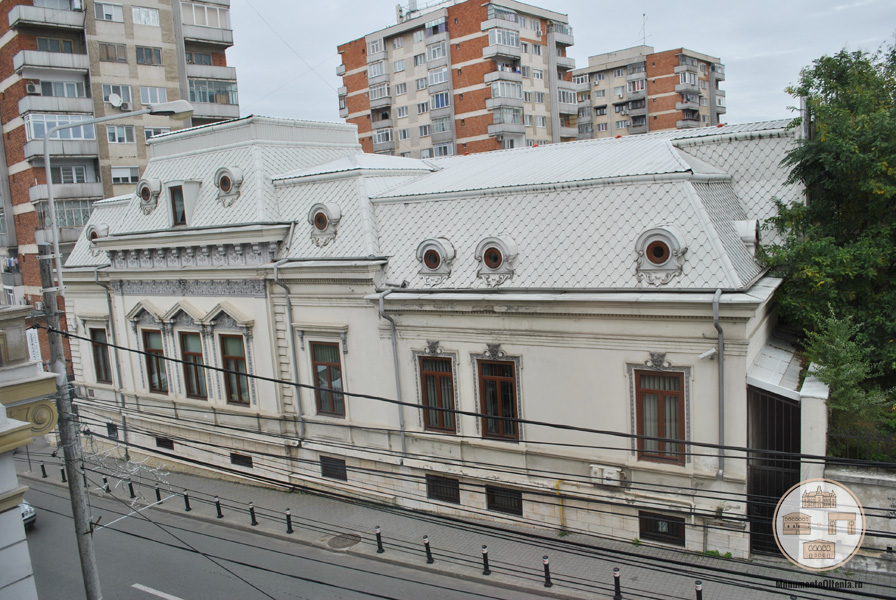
<point x="838" y="251"/>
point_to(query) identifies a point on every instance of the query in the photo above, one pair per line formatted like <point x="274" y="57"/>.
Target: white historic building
<point x="578" y="310"/>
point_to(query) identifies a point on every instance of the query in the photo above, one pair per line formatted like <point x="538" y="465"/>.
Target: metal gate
<point x="773" y="431"/>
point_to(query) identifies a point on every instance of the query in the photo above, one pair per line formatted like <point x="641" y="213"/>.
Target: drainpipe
<point x="715" y="322"/>
<point x="292" y="346"/>
<point x="562" y="516"/>
<point x="118" y="394"/>
<point x="395" y="364"/>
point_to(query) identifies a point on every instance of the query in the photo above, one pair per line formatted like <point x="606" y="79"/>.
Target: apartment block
<point x="637" y="90"/>
<point x="460" y="77"/>
<point x="65" y="61"/>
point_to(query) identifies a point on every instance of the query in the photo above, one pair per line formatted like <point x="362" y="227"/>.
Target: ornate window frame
<point x="228" y="181"/>
<point x="657" y="362"/>
<point x="144" y="316"/>
<point x="309" y="333"/>
<point x="493" y="352"/>
<point x="223" y="319"/>
<point x="443" y="251"/>
<point x="434" y="350"/>
<point x="184" y="318"/>
<point x="660" y="254"/>
<point x="324" y="219"/>
<point x="495" y="272"/>
<point x="148" y="191"/>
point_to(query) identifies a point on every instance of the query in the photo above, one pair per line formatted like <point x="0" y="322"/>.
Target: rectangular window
<point x="566" y="96"/>
<point x="419" y="59"/>
<point x="55" y="45"/>
<point x="112" y="431"/>
<point x="441" y="125"/>
<point x="398" y="66"/>
<point x="527" y="96"/>
<point x="602" y="127"/>
<point x="178" y="214"/>
<point x="375" y="46"/>
<point x="497" y="391"/>
<point x="445" y="489"/>
<point x="125" y="175"/>
<point x="619" y="91"/>
<point x="153" y="95"/>
<point x="333" y="468"/>
<point x="108" y="12"/>
<point x="418" y="35"/>
<point x="206" y="16"/>
<point x="436" y="51"/>
<point x="536" y="49"/>
<point x="661" y="528"/>
<point x="381" y="136"/>
<point x="120" y="134"/>
<point x="425" y="130"/>
<point x="437" y="390"/>
<point x="504" y="37"/>
<point x="63" y="89"/>
<point x="150" y="132"/>
<point x="404" y="134"/>
<point x="637" y="85"/>
<point x="618" y="72"/>
<point x="524" y="47"/>
<point x="422" y="107"/>
<point x="165" y="443"/>
<point x="37" y="126"/>
<point x="600" y="110"/>
<point x="149" y="56"/>
<point x="687" y="77"/>
<point x="113" y="53"/>
<point x="397" y="42"/>
<point x="527" y="120"/>
<point x="585" y="128"/>
<point x="526" y="71"/>
<point x="69" y="174"/>
<point x="621" y="124"/>
<point x="240" y="460"/>
<point x="541" y="121"/>
<point x="508" y="115"/>
<point x="440" y="100"/>
<point x="122" y="91"/>
<point x="600" y="76"/>
<point x="426" y="153"/>
<point x="194" y="373"/>
<point x="431" y="28"/>
<point x="145" y="16"/>
<point x="69" y="213"/>
<point x="198" y="58"/>
<point x="437" y="76"/>
<point x="659" y="399"/>
<point x="446" y="149"/>
<point x="538" y="73"/>
<point x="375" y="69"/>
<point x="327" y="368"/>
<point x="581" y="79"/>
<point x="506" y="89"/>
<point x="214" y="91"/>
<point x="100" y="356"/>
<point x="421" y="83"/>
<point x="233" y="361"/>
<point x="539" y="97"/>
<point x="156" y="374"/>
<point x="600" y="93"/>
<point x="379" y="91"/>
<point x="504" y="500"/>
<point x="401" y="88"/>
<point x="401" y="112"/>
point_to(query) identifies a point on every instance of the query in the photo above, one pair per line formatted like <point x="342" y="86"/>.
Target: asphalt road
<point x="157" y="555"/>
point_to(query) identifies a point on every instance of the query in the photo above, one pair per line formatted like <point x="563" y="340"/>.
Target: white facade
<point x="563" y="287"/>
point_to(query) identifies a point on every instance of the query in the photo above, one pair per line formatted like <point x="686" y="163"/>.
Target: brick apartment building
<point x="458" y="77"/>
<point x="637" y="90"/>
<point x="60" y="61"/>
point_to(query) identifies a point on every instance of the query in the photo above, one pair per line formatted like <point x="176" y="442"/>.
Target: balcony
<point x="214" y="111"/>
<point x="53" y="104"/>
<point x="638" y="128"/>
<point x="343" y="113"/>
<point x="379" y="123"/>
<point x="585" y="118"/>
<point x="637" y="112"/>
<point x="637" y="95"/>
<point x="340" y="70"/>
<point x="342" y="90"/>
<point x="36" y="59"/>
<point x="566" y="63"/>
<point x="685" y="69"/>
<point x="37" y="193"/>
<point x="499" y="24"/>
<point x="565" y="108"/>
<point x="720" y="93"/>
<point x="12" y="279"/>
<point x="506" y="129"/>
<point x="210" y="72"/>
<point x="719" y="71"/>
<point x="721" y="110"/>
<point x="208" y="35"/>
<point x="562" y="34"/>
<point x="687" y="105"/>
<point x="513" y="76"/>
<point x="33" y="16"/>
<point x="493" y="103"/>
<point x="687" y="123"/>
<point x="569" y="132"/>
<point x="688" y="88"/>
<point x="69" y="148"/>
<point x="384" y="147"/>
<point x="439" y="137"/>
<point x="636" y="75"/>
<point x="499" y="51"/>
<point x="381" y="102"/>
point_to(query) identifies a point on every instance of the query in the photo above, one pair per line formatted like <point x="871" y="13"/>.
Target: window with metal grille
<point x="112" y="431"/>
<point x="443" y="488"/>
<point x="661" y="528"/>
<point x="165" y="443"/>
<point x="334" y="468"/>
<point x="504" y="500"/>
<point x="240" y="460"/>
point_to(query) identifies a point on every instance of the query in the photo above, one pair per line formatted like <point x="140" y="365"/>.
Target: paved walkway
<point x="581" y="566"/>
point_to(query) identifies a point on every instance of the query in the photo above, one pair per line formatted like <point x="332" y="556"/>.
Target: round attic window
<point x="493" y="257"/>
<point x="657" y="252"/>
<point x="145" y="193"/>
<point x="94" y="235"/>
<point x="320" y="221"/>
<point x="225" y="184"/>
<point x="431" y="259"/>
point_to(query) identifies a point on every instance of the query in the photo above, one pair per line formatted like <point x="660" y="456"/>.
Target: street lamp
<point x="177" y="109"/>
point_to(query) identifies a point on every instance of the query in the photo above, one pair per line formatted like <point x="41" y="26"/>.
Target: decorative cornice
<point x="247" y="288"/>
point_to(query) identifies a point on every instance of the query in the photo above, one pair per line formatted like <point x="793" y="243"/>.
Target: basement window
<point x="240" y="460"/>
<point x="661" y="528"/>
<point x="165" y="443"/>
<point x="333" y="468"/>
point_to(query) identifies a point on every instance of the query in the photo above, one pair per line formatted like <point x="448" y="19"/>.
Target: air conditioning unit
<point x="33" y="89"/>
<point x="603" y="475"/>
<point x="538" y="33"/>
<point x="39" y="306"/>
<point x="125" y="106"/>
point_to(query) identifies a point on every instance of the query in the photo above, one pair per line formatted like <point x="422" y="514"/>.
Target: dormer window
<point x="431" y="259"/>
<point x="437" y="255"/>
<point x="660" y="254"/>
<point x="178" y="211"/>
<point x="148" y="191"/>
<point x="228" y="181"/>
<point x="496" y="256"/>
<point x="493" y="257"/>
<point x="321" y="220"/>
<point x="324" y="218"/>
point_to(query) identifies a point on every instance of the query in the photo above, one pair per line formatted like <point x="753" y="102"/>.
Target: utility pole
<point x="68" y="430"/>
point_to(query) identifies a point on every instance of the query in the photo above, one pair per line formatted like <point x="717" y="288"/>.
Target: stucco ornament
<point x="660" y="255"/>
<point x="148" y="191"/>
<point x="432" y="347"/>
<point x="496" y="256"/>
<point x="324" y="218"/>
<point x="228" y="181"/>
<point x="494" y="351"/>
<point x="435" y="256"/>
<point x="657" y="361"/>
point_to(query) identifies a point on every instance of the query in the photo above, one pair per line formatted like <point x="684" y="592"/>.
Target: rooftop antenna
<point x="644" y="28"/>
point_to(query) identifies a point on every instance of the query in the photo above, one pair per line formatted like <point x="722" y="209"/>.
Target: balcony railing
<point x="50" y="60"/>
<point x="55" y="104"/>
<point x="208" y="35"/>
<point x="34" y="16"/>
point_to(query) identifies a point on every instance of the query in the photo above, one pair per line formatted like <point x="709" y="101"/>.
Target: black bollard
<point x="379" y="540"/>
<point x="218" y="508"/>
<point x="43" y="470"/>
<point x="698" y="586"/>
<point x="429" y="558"/>
<point x="485" y="569"/>
<point x="617" y="594"/>
<point x="187" y="502"/>
<point x="252" y="514"/>
<point x="158" y="494"/>
<point x="62" y="470"/>
<point x="288" y="521"/>
<point x="547" y="571"/>
<point x="131" y="489"/>
<point x="106" y="485"/>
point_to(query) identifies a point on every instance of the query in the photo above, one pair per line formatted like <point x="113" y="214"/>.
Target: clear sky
<point x="285" y="50"/>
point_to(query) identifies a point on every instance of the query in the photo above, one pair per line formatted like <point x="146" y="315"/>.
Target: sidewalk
<point x="580" y="566"/>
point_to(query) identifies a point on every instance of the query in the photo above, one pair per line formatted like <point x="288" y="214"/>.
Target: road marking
<point x="149" y="590"/>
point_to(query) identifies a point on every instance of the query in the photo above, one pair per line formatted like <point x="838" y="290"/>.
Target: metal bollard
<point x="187" y="501"/>
<point x="158" y="494"/>
<point x="252" y="514"/>
<point x="131" y="489"/>
<point x="485" y="569"/>
<point x="429" y="558"/>
<point x="288" y="521"/>
<point x="379" y="540"/>
<point x="617" y="593"/>
<point x="106" y="485"/>
<point x="698" y="586"/>
<point x="43" y="470"/>
<point x="62" y="470"/>
<point x="547" y="571"/>
<point x="218" y="508"/>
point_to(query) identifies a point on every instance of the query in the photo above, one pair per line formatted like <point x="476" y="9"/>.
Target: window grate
<point x="333" y="468"/>
<point x="165" y="443"/>
<point x="504" y="500"/>
<point x="240" y="460"/>
<point x="661" y="528"/>
<point x="443" y="488"/>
